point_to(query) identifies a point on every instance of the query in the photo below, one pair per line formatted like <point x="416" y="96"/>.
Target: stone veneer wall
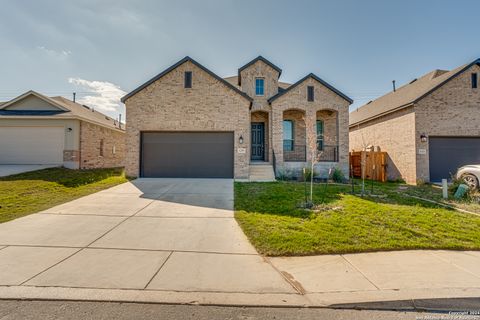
<point x="394" y="134"/>
<point x="451" y="110"/>
<point x="325" y="99"/>
<point x="113" y="147"/>
<point x="209" y="105"/>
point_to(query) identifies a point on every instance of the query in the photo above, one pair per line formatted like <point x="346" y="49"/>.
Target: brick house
<point x="189" y="122"/>
<point x="428" y="127"/>
<point x="36" y="129"/>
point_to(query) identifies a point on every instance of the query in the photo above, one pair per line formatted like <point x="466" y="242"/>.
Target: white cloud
<point x="55" y="53"/>
<point x="103" y="96"/>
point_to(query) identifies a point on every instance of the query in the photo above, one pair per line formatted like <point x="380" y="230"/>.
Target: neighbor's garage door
<point x="447" y="154"/>
<point x="187" y="154"/>
<point x="31" y="145"/>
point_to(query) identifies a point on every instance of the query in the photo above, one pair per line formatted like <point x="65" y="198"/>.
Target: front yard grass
<point x="30" y="192"/>
<point x="270" y="215"/>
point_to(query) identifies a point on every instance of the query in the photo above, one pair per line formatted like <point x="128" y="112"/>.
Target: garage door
<point x="187" y="154"/>
<point x="31" y="145"/>
<point x="447" y="154"/>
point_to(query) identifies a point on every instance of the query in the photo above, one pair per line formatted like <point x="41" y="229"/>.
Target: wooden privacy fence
<point x="375" y="164"/>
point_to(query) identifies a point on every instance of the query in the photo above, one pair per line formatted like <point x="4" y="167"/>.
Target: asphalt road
<point x="47" y="310"/>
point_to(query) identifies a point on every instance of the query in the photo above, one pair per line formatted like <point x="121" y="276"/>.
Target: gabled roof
<point x="406" y="95"/>
<point x="67" y="110"/>
<point x="252" y="62"/>
<point x="32" y="93"/>
<point x="311" y="75"/>
<point x="179" y="63"/>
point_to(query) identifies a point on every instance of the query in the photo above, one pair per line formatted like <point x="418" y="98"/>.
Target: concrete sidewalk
<point x="176" y="241"/>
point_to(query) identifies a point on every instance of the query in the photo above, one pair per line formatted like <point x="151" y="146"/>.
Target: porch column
<point x="312" y="116"/>
<point x="277" y="135"/>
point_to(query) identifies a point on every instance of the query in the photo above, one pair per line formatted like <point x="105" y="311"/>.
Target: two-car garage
<point x="447" y="154"/>
<point x="187" y="154"/>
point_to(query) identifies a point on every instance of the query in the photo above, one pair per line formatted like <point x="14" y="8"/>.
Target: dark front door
<point x="258" y="141"/>
<point x="447" y="154"/>
<point x="187" y="154"/>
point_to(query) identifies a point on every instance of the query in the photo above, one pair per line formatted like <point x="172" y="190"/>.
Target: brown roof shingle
<point x="405" y="95"/>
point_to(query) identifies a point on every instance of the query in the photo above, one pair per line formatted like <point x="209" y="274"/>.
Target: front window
<point x="259" y="86"/>
<point x="287" y="135"/>
<point x="320" y="126"/>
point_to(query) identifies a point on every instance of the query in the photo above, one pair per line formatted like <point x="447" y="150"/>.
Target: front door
<point x="258" y="141"/>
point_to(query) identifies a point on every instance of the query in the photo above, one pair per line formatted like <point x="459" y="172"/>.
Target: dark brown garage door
<point x="187" y="154"/>
<point x="447" y="154"/>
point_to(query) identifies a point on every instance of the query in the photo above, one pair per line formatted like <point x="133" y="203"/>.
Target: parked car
<point x="470" y="174"/>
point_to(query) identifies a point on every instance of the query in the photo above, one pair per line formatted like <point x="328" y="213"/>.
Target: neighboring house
<point x="428" y="127"/>
<point x="189" y="122"/>
<point x="35" y="129"/>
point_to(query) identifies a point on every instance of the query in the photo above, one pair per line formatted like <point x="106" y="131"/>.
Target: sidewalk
<point x="396" y="278"/>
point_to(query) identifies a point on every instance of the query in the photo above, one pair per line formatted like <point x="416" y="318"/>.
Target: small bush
<point x="284" y="174"/>
<point x="307" y="174"/>
<point x="338" y="176"/>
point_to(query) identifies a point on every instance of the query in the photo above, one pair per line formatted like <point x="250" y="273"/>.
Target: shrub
<point x="338" y="176"/>
<point x="307" y="174"/>
<point x="284" y="174"/>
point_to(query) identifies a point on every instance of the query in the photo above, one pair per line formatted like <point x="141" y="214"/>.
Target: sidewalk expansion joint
<point x="360" y="271"/>
<point x="297" y="286"/>
<point x="155" y="274"/>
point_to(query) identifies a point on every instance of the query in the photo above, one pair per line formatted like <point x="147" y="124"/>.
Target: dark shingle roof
<point x="406" y="95"/>
<point x="255" y="60"/>
<point x="311" y="75"/>
<point x="163" y="73"/>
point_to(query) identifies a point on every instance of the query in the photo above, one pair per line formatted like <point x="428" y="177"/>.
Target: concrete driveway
<point x="154" y="234"/>
<point x="9" y="169"/>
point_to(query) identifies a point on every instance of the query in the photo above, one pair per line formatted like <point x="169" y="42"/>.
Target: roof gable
<point x="313" y="76"/>
<point x="32" y="101"/>
<point x="406" y="95"/>
<point x="259" y="58"/>
<point x="179" y="63"/>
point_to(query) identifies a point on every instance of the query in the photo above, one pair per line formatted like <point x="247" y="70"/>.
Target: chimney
<point x="393" y="82"/>
<point x="74" y="94"/>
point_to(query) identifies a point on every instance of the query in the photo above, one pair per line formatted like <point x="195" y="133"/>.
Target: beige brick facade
<point x="395" y="134"/>
<point x="209" y="105"/>
<point x="100" y="147"/>
<point x="325" y="101"/>
<point x="451" y="110"/>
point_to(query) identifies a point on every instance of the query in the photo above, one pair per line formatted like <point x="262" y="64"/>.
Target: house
<point x="36" y="129"/>
<point x="189" y="122"/>
<point x="429" y="127"/>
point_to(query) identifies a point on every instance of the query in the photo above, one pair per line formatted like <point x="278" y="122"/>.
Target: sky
<point x="102" y="49"/>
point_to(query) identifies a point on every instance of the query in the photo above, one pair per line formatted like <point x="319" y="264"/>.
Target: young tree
<point x="312" y="148"/>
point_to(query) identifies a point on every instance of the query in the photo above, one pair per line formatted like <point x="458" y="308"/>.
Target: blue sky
<point x="103" y="48"/>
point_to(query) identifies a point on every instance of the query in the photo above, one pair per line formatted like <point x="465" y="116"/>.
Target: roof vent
<point x="87" y="107"/>
<point x="412" y="81"/>
<point x="369" y="102"/>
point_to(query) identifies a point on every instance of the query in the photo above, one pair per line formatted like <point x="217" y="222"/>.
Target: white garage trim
<point x="32" y="145"/>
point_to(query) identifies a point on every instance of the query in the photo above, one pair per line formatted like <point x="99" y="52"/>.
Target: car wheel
<point x="470" y="180"/>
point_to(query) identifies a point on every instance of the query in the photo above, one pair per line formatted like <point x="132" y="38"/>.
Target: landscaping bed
<point x="30" y="192"/>
<point x="272" y="218"/>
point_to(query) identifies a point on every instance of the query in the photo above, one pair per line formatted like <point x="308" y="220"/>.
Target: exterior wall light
<point x="423" y="137"/>
<point x="240" y="140"/>
<point x="69" y="129"/>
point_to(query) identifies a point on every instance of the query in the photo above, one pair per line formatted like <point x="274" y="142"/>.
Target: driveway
<point x="153" y="234"/>
<point x="9" y="169"/>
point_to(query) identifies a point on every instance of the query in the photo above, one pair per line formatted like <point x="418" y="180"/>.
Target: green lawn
<point x="433" y="192"/>
<point x="30" y="192"/>
<point x="270" y="215"/>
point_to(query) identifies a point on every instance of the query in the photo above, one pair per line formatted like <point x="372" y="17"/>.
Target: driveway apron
<point x="147" y="234"/>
